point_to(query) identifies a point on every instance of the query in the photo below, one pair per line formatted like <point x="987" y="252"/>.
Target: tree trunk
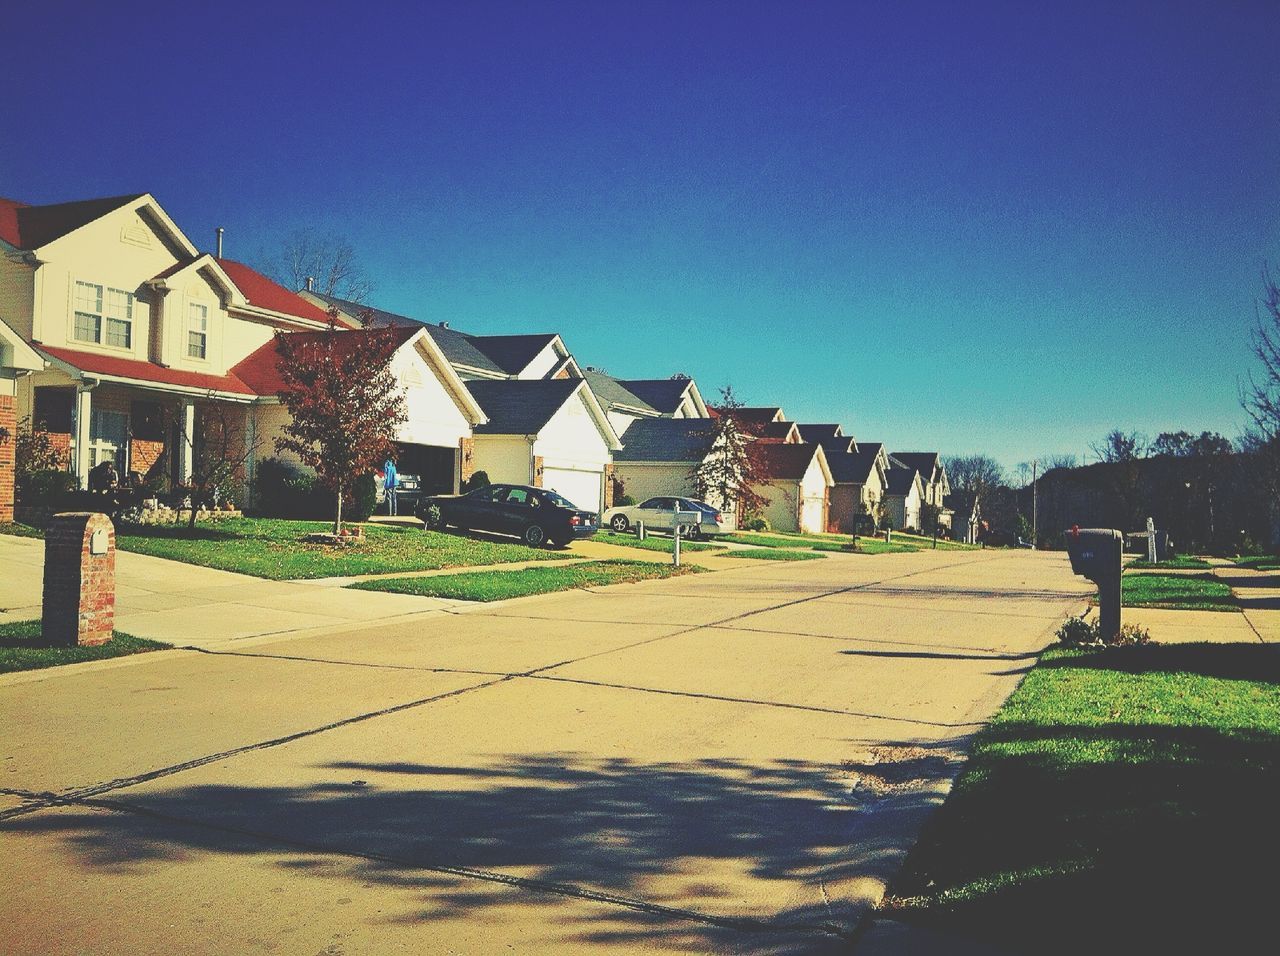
<point x="191" y="519"/>
<point x="337" y="519"/>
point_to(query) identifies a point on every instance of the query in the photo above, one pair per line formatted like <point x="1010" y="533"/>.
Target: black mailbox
<point x="1096" y="553"/>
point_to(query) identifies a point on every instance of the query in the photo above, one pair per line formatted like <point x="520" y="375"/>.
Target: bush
<point x="281" y="490"/>
<point x="479" y="480"/>
<point x="623" y="501"/>
<point x="47" y="487"/>
<point x="1077" y="632"/>
<point x="758" y="523"/>
<point x="363" y="500"/>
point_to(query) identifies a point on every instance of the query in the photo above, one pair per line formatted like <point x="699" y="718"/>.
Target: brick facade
<point x="466" y="460"/>
<point x="610" y="485"/>
<point x="143" y="454"/>
<point x="8" y="439"/>
<point x="79" y="587"/>
<point x="537" y="471"/>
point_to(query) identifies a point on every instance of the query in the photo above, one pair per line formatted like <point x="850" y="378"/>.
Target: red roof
<point x="29" y="227"/>
<point x="265" y="294"/>
<point x="778" y="460"/>
<point x="95" y="364"/>
<point x="260" y="372"/>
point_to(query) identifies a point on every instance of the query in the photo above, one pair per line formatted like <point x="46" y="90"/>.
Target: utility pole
<point x="1034" y="502"/>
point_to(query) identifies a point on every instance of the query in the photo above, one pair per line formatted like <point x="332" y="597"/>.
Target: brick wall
<point x="610" y="486"/>
<point x="79" y="587"/>
<point x="144" y="453"/>
<point x="466" y="459"/>
<point x="537" y="471"/>
<point x="9" y="427"/>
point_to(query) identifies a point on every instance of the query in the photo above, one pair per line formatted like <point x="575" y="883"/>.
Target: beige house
<point x="17" y="360"/>
<point x="796" y="485"/>
<point x="860" y="479"/>
<point x="933" y="476"/>
<point x="136" y="328"/>
<point x="903" y="496"/>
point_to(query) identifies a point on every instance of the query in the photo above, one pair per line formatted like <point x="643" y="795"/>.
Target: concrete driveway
<point x="730" y="762"/>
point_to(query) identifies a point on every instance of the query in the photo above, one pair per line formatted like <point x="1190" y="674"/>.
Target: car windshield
<point x="555" y="499"/>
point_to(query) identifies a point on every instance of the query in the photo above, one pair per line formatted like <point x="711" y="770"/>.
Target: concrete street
<point x="731" y="762"/>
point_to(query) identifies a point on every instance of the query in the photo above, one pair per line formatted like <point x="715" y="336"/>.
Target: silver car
<point x="659" y="514"/>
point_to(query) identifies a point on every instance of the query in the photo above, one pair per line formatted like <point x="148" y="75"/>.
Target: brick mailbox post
<point x="79" y="579"/>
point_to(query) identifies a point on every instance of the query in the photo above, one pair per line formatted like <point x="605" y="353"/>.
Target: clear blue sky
<point x="1000" y="227"/>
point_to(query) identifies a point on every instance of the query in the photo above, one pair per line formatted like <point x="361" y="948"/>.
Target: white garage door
<point x="580" y="487"/>
<point x="811" y="515"/>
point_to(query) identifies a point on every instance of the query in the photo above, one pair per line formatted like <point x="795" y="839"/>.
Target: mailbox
<point x="1096" y="553"/>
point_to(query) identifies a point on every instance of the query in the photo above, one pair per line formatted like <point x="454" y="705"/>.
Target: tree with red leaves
<point x="344" y="401"/>
<point x="728" y="476"/>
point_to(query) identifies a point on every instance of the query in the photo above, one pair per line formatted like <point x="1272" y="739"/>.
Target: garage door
<point x="811" y="515"/>
<point x="580" y="487"/>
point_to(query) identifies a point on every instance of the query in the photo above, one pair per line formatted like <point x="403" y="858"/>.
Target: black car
<point x="538" y="516"/>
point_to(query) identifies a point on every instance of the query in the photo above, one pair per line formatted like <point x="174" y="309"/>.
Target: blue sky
<point x="996" y="227"/>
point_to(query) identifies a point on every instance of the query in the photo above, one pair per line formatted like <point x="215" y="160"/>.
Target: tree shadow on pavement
<point x="763" y="858"/>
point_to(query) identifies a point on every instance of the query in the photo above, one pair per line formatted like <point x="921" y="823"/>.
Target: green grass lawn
<point x="20" y="530"/>
<point x="771" y="554"/>
<point x="1259" y="562"/>
<point x="651" y="543"/>
<point x="22" y="648"/>
<point x="816" y="542"/>
<point x="272" y="548"/>
<point x="1182" y="562"/>
<point x="925" y="542"/>
<point x="1122" y="801"/>
<point x="1186" y="592"/>
<point x="499" y="585"/>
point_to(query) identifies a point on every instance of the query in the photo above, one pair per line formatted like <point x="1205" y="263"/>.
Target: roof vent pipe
<point x="444" y="325"/>
<point x="311" y="283"/>
<point x="219" y="231"/>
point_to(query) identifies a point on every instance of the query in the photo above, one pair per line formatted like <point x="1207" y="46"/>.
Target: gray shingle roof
<point x="520" y="406"/>
<point x="511" y="353"/>
<point x="900" y="480"/>
<point x="667" y="439"/>
<point x="664" y="394"/>
<point x="844" y="443"/>
<point x="816" y="433"/>
<point x="612" y="393"/>
<point x="850" y="467"/>
<point x="922" y="461"/>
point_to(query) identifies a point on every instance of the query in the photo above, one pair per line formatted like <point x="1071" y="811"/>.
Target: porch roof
<point x="144" y="373"/>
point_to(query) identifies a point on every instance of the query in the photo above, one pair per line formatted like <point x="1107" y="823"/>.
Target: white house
<point x="550" y="433"/>
<point x="904" y="495"/>
<point x="796" y="485"/>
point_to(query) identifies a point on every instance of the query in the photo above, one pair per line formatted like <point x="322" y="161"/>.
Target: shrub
<point x="1077" y="632"/>
<point x="47" y="487"/>
<point x="479" y="480"/>
<point x="623" y="501"/>
<point x="364" y="499"/>
<point x="757" y="523"/>
<point x="281" y="490"/>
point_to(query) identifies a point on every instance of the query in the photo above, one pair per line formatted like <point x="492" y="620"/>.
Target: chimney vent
<point x="311" y="283"/>
<point x="219" y="254"/>
<point x="444" y="325"/>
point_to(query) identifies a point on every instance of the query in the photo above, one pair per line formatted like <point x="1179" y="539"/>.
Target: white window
<point x="108" y="438"/>
<point x="197" y="330"/>
<point x="100" y="311"/>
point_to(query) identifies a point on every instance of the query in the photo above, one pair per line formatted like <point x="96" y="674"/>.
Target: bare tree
<point x="221" y="445"/>
<point x="976" y="474"/>
<point x="1121" y="446"/>
<point x="1059" y="461"/>
<point x="327" y="259"/>
<point x="1260" y="396"/>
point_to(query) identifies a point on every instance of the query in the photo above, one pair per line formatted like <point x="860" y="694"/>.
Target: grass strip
<point x="1123" y="800"/>
<point x="1186" y="592"/>
<point x="1259" y="562"/>
<point x="771" y="554"/>
<point x="22" y="648"/>
<point x="651" y="543"/>
<point x="1181" y="563"/>
<point x="500" y="585"/>
<point x="272" y="548"/>
<point x="17" y="530"/>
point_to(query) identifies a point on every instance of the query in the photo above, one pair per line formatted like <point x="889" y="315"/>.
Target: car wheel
<point x="534" y="536"/>
<point x="619" y="523"/>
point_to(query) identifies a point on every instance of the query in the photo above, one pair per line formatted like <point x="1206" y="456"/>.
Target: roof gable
<point x="665" y="395"/>
<point x="29" y="227"/>
<point x="789" y="462"/>
<point x="815" y="433"/>
<point x="613" y="394"/>
<point x="260" y="370"/>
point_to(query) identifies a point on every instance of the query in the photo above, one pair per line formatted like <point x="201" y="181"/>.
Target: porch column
<point x="186" y="450"/>
<point x="83" y="417"/>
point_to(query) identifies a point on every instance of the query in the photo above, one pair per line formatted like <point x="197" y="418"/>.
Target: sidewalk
<point x="1258" y="594"/>
<point x="188" y="605"/>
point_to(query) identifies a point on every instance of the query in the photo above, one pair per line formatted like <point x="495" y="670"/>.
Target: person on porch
<point x="389" y="484"/>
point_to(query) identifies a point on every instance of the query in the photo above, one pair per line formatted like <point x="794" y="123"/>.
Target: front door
<point x="109" y="439"/>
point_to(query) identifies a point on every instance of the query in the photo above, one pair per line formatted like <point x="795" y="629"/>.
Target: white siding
<point x="433" y="415"/>
<point x="643" y="481"/>
<point x="542" y="363"/>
